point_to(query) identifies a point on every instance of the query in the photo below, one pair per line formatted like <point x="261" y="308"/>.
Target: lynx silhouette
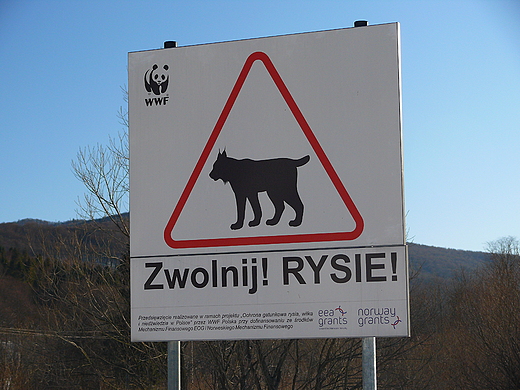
<point x="278" y="177"/>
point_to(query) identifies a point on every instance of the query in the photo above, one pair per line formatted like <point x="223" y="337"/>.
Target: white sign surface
<point x="266" y="188"/>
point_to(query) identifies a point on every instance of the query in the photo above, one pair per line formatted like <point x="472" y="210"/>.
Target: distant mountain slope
<point x="434" y="262"/>
<point x="42" y="238"/>
<point x="30" y="235"/>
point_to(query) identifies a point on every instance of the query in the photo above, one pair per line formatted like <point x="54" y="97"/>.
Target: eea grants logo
<point x="156" y="81"/>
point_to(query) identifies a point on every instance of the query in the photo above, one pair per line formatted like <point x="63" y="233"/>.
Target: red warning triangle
<point x="262" y="240"/>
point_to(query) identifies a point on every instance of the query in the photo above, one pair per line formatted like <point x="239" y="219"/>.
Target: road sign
<point x="266" y="188"/>
<point x="254" y="240"/>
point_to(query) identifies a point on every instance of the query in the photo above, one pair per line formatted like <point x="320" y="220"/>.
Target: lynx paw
<point x="295" y="222"/>
<point x="237" y="225"/>
<point x="254" y="223"/>
<point x="272" y="222"/>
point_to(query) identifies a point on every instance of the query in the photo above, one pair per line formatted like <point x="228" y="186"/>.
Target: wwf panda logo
<point x="156" y="79"/>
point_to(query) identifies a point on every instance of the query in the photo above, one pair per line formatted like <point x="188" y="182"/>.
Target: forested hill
<point x="63" y="239"/>
<point x="433" y="262"/>
<point x="36" y="237"/>
<point x="65" y="288"/>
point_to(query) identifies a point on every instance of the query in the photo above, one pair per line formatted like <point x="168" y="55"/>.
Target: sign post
<point x="174" y="365"/>
<point x="266" y="188"/>
<point x="369" y="363"/>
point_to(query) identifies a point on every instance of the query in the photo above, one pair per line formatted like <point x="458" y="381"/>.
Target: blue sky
<point x="63" y="63"/>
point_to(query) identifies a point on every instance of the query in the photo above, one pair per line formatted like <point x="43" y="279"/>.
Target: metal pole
<point x="174" y="365"/>
<point x="174" y="347"/>
<point x="369" y="363"/>
<point x="369" y="343"/>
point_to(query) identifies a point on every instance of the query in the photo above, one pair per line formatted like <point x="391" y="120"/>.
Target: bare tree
<point x="483" y="345"/>
<point x="104" y="170"/>
<point x="88" y="297"/>
<point x="505" y="255"/>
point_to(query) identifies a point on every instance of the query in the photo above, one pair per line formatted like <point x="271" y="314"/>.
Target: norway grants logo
<point x="156" y="81"/>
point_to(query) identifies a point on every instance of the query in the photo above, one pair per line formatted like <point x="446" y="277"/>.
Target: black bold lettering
<point x="340" y="267"/>
<point x="254" y="280"/>
<point x="176" y="277"/>
<point x="316" y="268"/>
<point x="148" y="284"/>
<point x="205" y="277"/>
<point x="358" y="267"/>
<point x="370" y="267"/>
<point x="244" y="272"/>
<point x="214" y="276"/>
<point x="295" y="271"/>
<point x="234" y="274"/>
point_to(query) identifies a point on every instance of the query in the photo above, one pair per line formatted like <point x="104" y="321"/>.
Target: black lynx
<point x="278" y="177"/>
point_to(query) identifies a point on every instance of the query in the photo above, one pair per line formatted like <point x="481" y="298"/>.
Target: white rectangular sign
<point x="312" y="293"/>
<point x="266" y="188"/>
